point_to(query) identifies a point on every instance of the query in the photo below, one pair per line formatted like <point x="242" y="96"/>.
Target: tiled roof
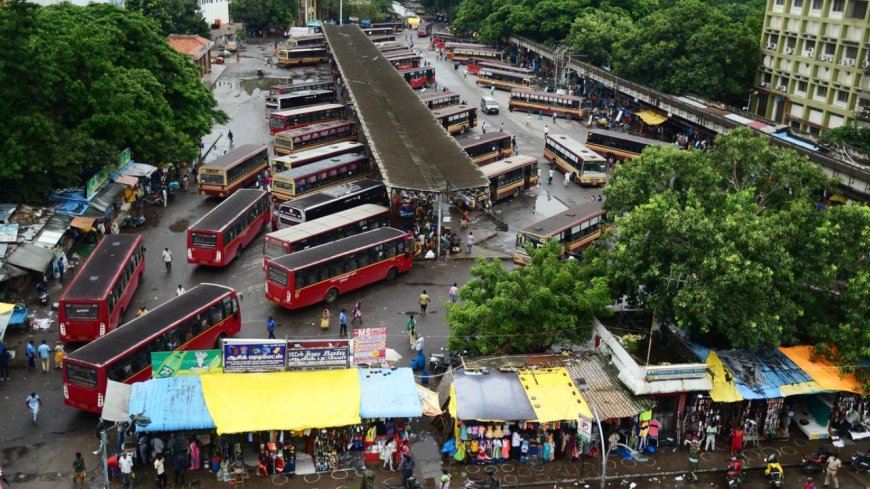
<point x="193" y="46"/>
<point x="611" y="398"/>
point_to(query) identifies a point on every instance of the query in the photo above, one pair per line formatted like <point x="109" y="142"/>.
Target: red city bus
<point x="233" y="170"/>
<point x="325" y="229"/>
<point x="487" y="148"/>
<point x="419" y="77"/>
<point x="302" y="87"/>
<point x="314" y="136"/>
<point x="291" y="119"/>
<point x="396" y="26"/>
<point x="390" y="47"/>
<point x="424" y="29"/>
<point x="404" y="60"/>
<point x="476" y="64"/>
<point x="221" y="235"/>
<point x="440" y="39"/>
<point x="196" y="320"/>
<point x="283" y="163"/>
<point x="294" y="100"/>
<point x="324" y="272"/>
<point x="95" y="300"/>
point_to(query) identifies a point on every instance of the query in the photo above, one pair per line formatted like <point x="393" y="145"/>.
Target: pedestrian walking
<point x="30" y="353"/>
<point x="528" y="120"/>
<point x="546" y="131"/>
<point x="831" y="468"/>
<point x="387" y="454"/>
<point x="419" y="343"/>
<point x="342" y="323"/>
<point x="179" y="290"/>
<point x="516" y="150"/>
<point x="33" y="402"/>
<point x="407" y="467"/>
<point x="710" y="441"/>
<point x="270" y="327"/>
<point x="444" y="482"/>
<point x="483" y="127"/>
<point x="165" y="193"/>
<point x="454" y="292"/>
<point x="809" y="483"/>
<point x="469" y="243"/>
<point x="736" y="441"/>
<point x="167" y="259"/>
<point x="464" y="219"/>
<point x="492" y="90"/>
<point x="125" y="463"/>
<point x="59" y="354"/>
<point x="160" y="468"/>
<point x="324" y="319"/>
<point x="424" y="302"/>
<point x="142" y="311"/>
<point x="411" y="326"/>
<point x="501" y="127"/>
<point x="554" y="117"/>
<point x="179" y="466"/>
<point x="694" y="451"/>
<point x="465" y="73"/>
<point x="356" y="314"/>
<point x="79" y="469"/>
<point x="550" y="176"/>
<point x="238" y="58"/>
<point x="5" y="357"/>
<point x="230" y="135"/>
<point x="567" y="178"/>
<point x="540" y="115"/>
<point x="44" y="356"/>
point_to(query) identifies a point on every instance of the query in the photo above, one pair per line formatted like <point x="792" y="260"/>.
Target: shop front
<point x="388" y="403"/>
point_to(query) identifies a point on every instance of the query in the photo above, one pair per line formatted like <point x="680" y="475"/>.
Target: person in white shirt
<point x="567" y="178"/>
<point x="179" y="290"/>
<point x="167" y="259"/>
<point x="125" y="464"/>
<point x="160" y="468"/>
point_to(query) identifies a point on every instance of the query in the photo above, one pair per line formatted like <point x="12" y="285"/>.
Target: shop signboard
<point x="369" y="345"/>
<point x="96" y="182"/>
<point x="253" y="355"/>
<point x="185" y="363"/>
<point x="318" y="354"/>
<point x="584" y="430"/>
<point x="675" y="372"/>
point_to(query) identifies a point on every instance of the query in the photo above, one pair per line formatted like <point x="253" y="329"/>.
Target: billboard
<point x="318" y="354"/>
<point x="254" y="355"/>
<point x="184" y="363"/>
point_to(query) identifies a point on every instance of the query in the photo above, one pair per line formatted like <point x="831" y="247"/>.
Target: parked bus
<point x="575" y="228"/>
<point x="288" y="162"/>
<point x="379" y="31"/>
<point x="462" y="52"/>
<point x="503" y="80"/>
<point x="440" y="39"/>
<point x="302" y="56"/>
<point x="475" y="64"/>
<point x="294" y="100"/>
<point x="404" y="61"/>
<point x="619" y="145"/>
<point x="314" y="136"/>
<point x="322" y="273"/>
<point x="396" y="26"/>
<point x="331" y="200"/>
<point x="488" y="147"/>
<point x="456" y="119"/>
<point x="313" y="40"/>
<point x="233" y="170"/>
<point x="419" y="77"/>
<point x="535" y="101"/>
<point x="325" y="230"/>
<point x="438" y="100"/>
<point x="196" y="320"/>
<point x="569" y="155"/>
<point x="424" y="29"/>
<point x="510" y="176"/>
<point x="382" y="38"/>
<point x="314" y="177"/>
<point x="218" y="237"/>
<point x="285" y="120"/>
<point x="302" y="87"/>
<point x="390" y="47"/>
<point x="93" y="303"/>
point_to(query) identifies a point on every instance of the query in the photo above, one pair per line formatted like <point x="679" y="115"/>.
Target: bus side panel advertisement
<point x="185" y="363"/>
<point x="254" y="355"/>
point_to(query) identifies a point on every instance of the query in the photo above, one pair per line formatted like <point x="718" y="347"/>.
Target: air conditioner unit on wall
<point x="782" y="88"/>
<point x="866" y="63"/>
<point x="788" y="50"/>
<point x="810" y="52"/>
<point x="765" y="84"/>
<point x="850" y="62"/>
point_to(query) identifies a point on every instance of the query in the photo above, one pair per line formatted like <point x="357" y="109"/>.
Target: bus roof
<point x="576" y="147"/>
<point x="322" y="152"/>
<point x="320" y="166"/>
<point x="332" y="193"/>
<point x="317" y="254"/>
<point x="302" y="49"/>
<point x="97" y="274"/>
<point x="564" y="219"/>
<point x="218" y="218"/>
<point x="472" y="141"/>
<point x="291" y="133"/>
<point x="305" y="110"/>
<point x="308" y="36"/>
<point x="626" y="136"/>
<point x="498" y="167"/>
<point x="325" y="223"/>
<point x="300" y="93"/>
<point x="503" y="66"/>
<point x="542" y="93"/>
<point x="103" y="350"/>
<point x="235" y="156"/>
<point x="448" y="111"/>
<point x="465" y="45"/>
<point x="435" y="95"/>
<point x="527" y="76"/>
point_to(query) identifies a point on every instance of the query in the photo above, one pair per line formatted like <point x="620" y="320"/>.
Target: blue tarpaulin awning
<point x="173" y="404"/>
<point x="388" y="393"/>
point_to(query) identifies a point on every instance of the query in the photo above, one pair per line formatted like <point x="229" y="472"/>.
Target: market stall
<point x="388" y="401"/>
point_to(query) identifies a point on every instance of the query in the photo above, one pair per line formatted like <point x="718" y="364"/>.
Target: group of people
<point x="325" y="318"/>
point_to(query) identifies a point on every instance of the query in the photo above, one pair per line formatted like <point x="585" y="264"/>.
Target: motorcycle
<point x="42" y="292"/>
<point x="861" y="461"/>
<point x="441" y="362"/>
<point x="733" y="477"/>
<point x="490" y="482"/>
<point x="410" y="483"/>
<point x="133" y="222"/>
<point x="816" y="462"/>
<point x="154" y="198"/>
<point x="773" y="471"/>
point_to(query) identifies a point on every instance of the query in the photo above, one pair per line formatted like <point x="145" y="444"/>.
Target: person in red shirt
<point x="736" y="441"/>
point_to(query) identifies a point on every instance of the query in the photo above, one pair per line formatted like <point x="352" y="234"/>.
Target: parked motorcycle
<point x="42" y="292"/>
<point x="440" y="362"/>
<point x="815" y="462"/>
<point x="489" y="482"/>
<point x="773" y="471"/>
<point x="861" y="461"/>
<point x="133" y="222"/>
<point x="154" y="198"/>
<point x="410" y="483"/>
<point x="734" y="476"/>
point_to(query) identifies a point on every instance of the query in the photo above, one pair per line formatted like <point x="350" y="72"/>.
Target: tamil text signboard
<point x="253" y="355"/>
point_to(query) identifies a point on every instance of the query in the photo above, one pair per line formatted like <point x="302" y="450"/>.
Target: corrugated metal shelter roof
<point x="497" y="396"/>
<point x="610" y="397"/>
<point x="752" y="377"/>
<point x="388" y="393"/>
<point x="31" y="257"/>
<point x="412" y="150"/>
<point x="173" y="404"/>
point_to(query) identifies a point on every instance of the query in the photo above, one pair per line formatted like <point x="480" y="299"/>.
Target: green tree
<point x="543" y="20"/>
<point x="594" y="33"/>
<point x="850" y="134"/>
<point x="261" y="14"/>
<point x="172" y="16"/>
<point x="528" y="309"/>
<point x="107" y="80"/>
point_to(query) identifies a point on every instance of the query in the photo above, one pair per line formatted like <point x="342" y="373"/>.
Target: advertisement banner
<point x="95" y="183"/>
<point x="318" y="354"/>
<point x="184" y="363"/>
<point x="369" y="345"/>
<point x="254" y="355"/>
<point x="584" y="430"/>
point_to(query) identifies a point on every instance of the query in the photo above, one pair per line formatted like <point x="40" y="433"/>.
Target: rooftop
<point x="193" y="46"/>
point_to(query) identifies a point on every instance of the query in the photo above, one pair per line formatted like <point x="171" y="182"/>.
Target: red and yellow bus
<point x="379" y="32"/>
<point x="390" y="47"/>
<point x="535" y="101"/>
<point x="196" y="320"/>
<point x="309" y="41"/>
<point x="618" y="145"/>
<point x="456" y="120"/>
<point x="424" y="29"/>
<point x="218" y="237"/>
<point x="404" y="60"/>
<point x="419" y="77"/>
<point x="488" y="147"/>
<point x="287" y="101"/>
<point x="438" y="100"/>
<point x="332" y="200"/>
<point x="326" y="229"/>
<point x="475" y="64"/>
<point x="319" y="175"/>
<point x="302" y="56"/>
<point x="503" y="80"/>
<point x="285" y="120"/>
<point x="440" y="39"/>
<point x="396" y="26"/>
<point x="510" y="176"/>
<point x="314" y="136"/>
<point x="93" y="303"/>
<point x="302" y="87"/>
<point x="462" y="52"/>
<point x="322" y="273"/>
<point x="575" y="228"/>
<point x="287" y="162"/>
<point x="569" y="155"/>
<point x="233" y="170"/>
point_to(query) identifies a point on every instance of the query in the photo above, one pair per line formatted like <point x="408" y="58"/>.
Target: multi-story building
<point x="815" y="68"/>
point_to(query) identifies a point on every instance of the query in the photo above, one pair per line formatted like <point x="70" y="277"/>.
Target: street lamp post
<point x="584" y="387"/>
<point x="135" y="419"/>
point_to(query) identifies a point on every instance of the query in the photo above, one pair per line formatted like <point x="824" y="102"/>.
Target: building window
<point x="837" y="5"/>
<point x="797" y="4"/>
<point x="816" y="5"/>
<point x="801" y="87"/>
<point x="779" y="2"/>
<point x="821" y="92"/>
<point x="857" y="9"/>
<point x="842" y="97"/>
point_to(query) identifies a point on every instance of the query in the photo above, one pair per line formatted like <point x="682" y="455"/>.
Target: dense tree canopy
<point x="528" y="309"/>
<point x="261" y="14"/>
<point x="850" y="134"/>
<point x="172" y="16"/>
<point x="82" y="84"/>
<point x="595" y="32"/>
<point x="730" y="243"/>
<point x="544" y="20"/>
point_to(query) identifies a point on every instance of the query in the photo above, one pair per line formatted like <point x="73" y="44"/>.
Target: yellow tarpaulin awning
<point x="553" y="395"/>
<point x="802" y="388"/>
<point x="429" y="400"/>
<point x="651" y="118"/>
<point x="827" y="375"/>
<point x="293" y="401"/>
<point x="723" y="389"/>
<point x="5" y="307"/>
<point x="83" y="223"/>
